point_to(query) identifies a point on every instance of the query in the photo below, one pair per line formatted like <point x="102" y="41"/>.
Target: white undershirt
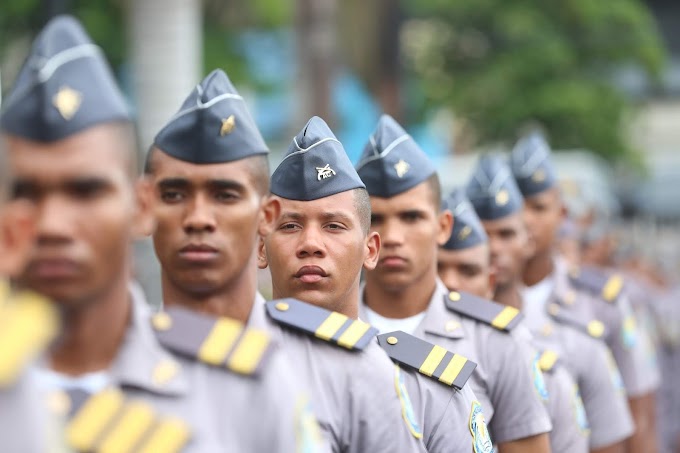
<point x="94" y="382"/>
<point x="384" y="325"/>
<point x="535" y="297"/>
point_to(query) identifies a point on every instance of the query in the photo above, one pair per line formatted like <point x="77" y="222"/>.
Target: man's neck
<point x="538" y="268"/>
<point x="234" y="299"/>
<point x="399" y="303"/>
<point x="509" y="295"/>
<point x="92" y="334"/>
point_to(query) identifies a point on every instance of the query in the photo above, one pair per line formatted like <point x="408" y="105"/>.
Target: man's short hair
<point x="435" y="191"/>
<point x="362" y="204"/>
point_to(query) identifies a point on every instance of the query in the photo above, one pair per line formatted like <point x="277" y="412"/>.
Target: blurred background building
<point x="601" y="79"/>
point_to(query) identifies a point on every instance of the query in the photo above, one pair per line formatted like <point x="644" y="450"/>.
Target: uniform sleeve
<point x="630" y="343"/>
<point x="380" y="410"/>
<point x="602" y="393"/>
<point x="565" y="406"/>
<point x="516" y="390"/>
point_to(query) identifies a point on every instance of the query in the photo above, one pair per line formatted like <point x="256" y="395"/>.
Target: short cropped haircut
<point x="362" y="204"/>
<point x="258" y="167"/>
<point x="435" y="191"/>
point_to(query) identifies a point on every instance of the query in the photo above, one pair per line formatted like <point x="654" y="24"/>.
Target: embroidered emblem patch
<point x="407" y="412"/>
<point x="539" y="380"/>
<point x="67" y="102"/>
<point x="629" y="331"/>
<point x="580" y="412"/>
<point x="464" y="233"/>
<point x="307" y="431"/>
<point x="228" y="126"/>
<point x="614" y="372"/>
<point x="481" y="440"/>
<point x="402" y="167"/>
<point x="324" y="172"/>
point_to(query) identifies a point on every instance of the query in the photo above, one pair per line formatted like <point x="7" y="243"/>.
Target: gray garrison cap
<point x="315" y="166"/>
<point x="467" y="228"/>
<point x="492" y="190"/>
<point x="531" y="165"/>
<point x="213" y="125"/>
<point x="64" y="86"/>
<point x="392" y="162"/>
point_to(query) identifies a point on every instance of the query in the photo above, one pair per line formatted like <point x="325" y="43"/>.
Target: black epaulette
<point x="429" y="359"/>
<point x="217" y="341"/>
<point x="108" y="421"/>
<point x="608" y="287"/>
<point x="594" y="328"/>
<point x="327" y="325"/>
<point x="547" y="360"/>
<point x="28" y="322"/>
<point x="494" y="314"/>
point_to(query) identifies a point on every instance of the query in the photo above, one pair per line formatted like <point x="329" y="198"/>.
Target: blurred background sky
<point x="600" y="79"/>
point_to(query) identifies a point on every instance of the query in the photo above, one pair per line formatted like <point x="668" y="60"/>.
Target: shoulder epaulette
<point x="608" y="287"/>
<point x="593" y="328"/>
<point x="107" y="421"/>
<point x="500" y="316"/>
<point x="216" y="341"/>
<point x="547" y="360"/>
<point x="28" y="322"/>
<point x="429" y="359"/>
<point x="324" y="324"/>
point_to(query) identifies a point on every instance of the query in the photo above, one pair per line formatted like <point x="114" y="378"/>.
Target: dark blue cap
<point x="64" y="87"/>
<point x="492" y="190"/>
<point x="467" y="228"/>
<point x="531" y="165"/>
<point x="392" y="162"/>
<point x="316" y="166"/>
<point x="212" y="126"/>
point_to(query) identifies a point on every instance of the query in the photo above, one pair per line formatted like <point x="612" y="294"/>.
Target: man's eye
<point x="171" y="196"/>
<point x="86" y="190"/>
<point x="226" y="196"/>
<point x="335" y="226"/>
<point x="288" y="226"/>
<point x="410" y="216"/>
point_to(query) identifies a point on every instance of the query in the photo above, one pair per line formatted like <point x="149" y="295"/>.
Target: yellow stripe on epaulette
<point x="107" y="423"/>
<point x="498" y="316"/>
<point x="349" y="337"/>
<point x="504" y="318"/>
<point x="594" y="328"/>
<point x="28" y="322"/>
<point x="220" y="340"/>
<point x="547" y="360"/>
<point x="612" y="288"/>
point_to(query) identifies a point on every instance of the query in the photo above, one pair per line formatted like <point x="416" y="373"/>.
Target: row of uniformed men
<point x="221" y="369"/>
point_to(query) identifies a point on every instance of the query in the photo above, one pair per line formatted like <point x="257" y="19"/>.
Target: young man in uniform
<point x="72" y="151"/>
<point x="547" y="277"/>
<point x="497" y="201"/>
<point x="464" y="265"/>
<point x="317" y="241"/>
<point x="210" y="177"/>
<point x="404" y="293"/>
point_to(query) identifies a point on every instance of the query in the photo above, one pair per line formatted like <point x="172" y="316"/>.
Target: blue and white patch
<point x="580" y="412"/>
<point x="308" y="437"/>
<point x="614" y="373"/>
<point x="407" y="412"/>
<point x="481" y="439"/>
<point x="539" y="380"/>
<point x="629" y="331"/>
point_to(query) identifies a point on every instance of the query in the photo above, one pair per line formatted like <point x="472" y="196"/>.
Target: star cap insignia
<point x="464" y="233"/>
<point x="67" y="101"/>
<point x="502" y="197"/>
<point x="538" y="176"/>
<point x="324" y="172"/>
<point x="228" y="126"/>
<point x="402" y="167"/>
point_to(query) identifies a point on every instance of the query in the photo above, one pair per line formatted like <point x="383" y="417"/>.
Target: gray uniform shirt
<point x="358" y="401"/>
<point x="590" y="363"/>
<point x="628" y="340"/>
<point x="224" y="411"/>
<point x="503" y="380"/>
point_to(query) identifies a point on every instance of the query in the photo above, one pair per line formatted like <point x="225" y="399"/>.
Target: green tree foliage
<point x="504" y="64"/>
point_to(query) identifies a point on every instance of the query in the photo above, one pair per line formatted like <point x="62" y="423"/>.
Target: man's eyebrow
<point x="173" y="183"/>
<point x="337" y="216"/>
<point x="291" y="216"/>
<point x="226" y="184"/>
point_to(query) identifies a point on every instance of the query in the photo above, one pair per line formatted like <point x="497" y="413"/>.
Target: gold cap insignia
<point x="538" y="176"/>
<point x="502" y="197"/>
<point x="228" y="126"/>
<point x="464" y="233"/>
<point x="67" y="101"/>
<point x="402" y="167"/>
<point x="324" y="172"/>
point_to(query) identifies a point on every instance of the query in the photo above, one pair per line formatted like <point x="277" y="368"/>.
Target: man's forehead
<point x="341" y="204"/>
<point x="165" y="166"/>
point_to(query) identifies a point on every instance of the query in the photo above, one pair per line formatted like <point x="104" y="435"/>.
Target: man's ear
<point x="372" y="251"/>
<point x="262" y="261"/>
<point x="17" y="232"/>
<point x="271" y="211"/>
<point x="144" y="222"/>
<point x="445" y="220"/>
